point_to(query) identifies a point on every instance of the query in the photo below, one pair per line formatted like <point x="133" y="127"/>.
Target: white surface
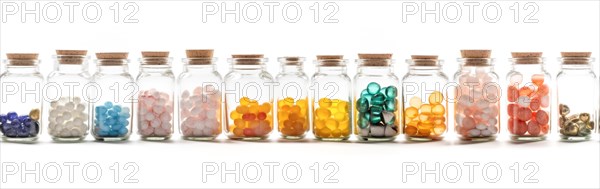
<point x="363" y="27"/>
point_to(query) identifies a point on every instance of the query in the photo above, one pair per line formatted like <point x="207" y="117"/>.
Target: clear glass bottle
<point x="577" y="109"/>
<point x="331" y="89"/>
<point x="156" y="84"/>
<point x="200" y="97"/>
<point x="248" y="96"/>
<point x="22" y="98"/>
<point x="68" y="113"/>
<point x="376" y="107"/>
<point x="477" y="97"/>
<point x="528" y="97"/>
<point x="424" y="92"/>
<point x="292" y="99"/>
<point x="113" y="98"/>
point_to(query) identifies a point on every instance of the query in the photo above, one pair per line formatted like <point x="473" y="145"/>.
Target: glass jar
<point x="424" y="92"/>
<point x="200" y="104"/>
<point x="156" y="84"/>
<point x="292" y="99"/>
<point x="577" y="109"/>
<point x="68" y="113"/>
<point x="331" y="98"/>
<point x="477" y="97"/>
<point x="248" y="97"/>
<point x="528" y="97"/>
<point x="376" y="110"/>
<point x="113" y="98"/>
<point x="21" y="99"/>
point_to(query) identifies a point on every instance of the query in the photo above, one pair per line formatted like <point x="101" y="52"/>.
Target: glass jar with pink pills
<point x="528" y="97"/>
<point x="155" y="98"/>
<point x="249" y="97"/>
<point x="477" y="97"/>
<point x="200" y="108"/>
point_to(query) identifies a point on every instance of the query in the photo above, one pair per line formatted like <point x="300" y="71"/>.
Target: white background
<point x="363" y="27"/>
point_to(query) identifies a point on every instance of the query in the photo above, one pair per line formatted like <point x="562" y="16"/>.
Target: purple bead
<point x="12" y="115"/>
<point x="24" y="118"/>
<point x="3" y="118"/>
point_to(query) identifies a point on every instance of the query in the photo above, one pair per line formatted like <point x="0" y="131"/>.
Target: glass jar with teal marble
<point x="376" y="107"/>
<point x="424" y="99"/>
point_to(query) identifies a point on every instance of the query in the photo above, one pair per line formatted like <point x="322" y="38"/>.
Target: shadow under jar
<point x="292" y="99"/>
<point x="200" y="104"/>
<point x="477" y="97"/>
<point x="331" y="98"/>
<point x="528" y="97"/>
<point x="20" y="117"/>
<point x="376" y="109"/>
<point x="68" y="113"/>
<point x="112" y="98"/>
<point x="248" y="100"/>
<point x="577" y="96"/>
<point x="424" y="99"/>
<point x="156" y="84"/>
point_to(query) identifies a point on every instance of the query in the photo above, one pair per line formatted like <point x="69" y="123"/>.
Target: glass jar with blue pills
<point x="113" y="97"/>
<point x="20" y="108"/>
<point x="68" y="109"/>
<point x="376" y="107"/>
<point x="424" y="99"/>
<point x="156" y="84"/>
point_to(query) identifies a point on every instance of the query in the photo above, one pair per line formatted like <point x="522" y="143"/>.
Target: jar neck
<point x="333" y="70"/>
<point x="199" y="68"/>
<point x="529" y="67"/>
<point x="482" y="68"/>
<point x="582" y="67"/>
<point x="374" y="69"/>
<point x="22" y="69"/>
<point x="286" y="68"/>
<point x="71" y="68"/>
<point x="424" y="69"/>
<point x="244" y="68"/>
<point x="148" y="68"/>
<point x="113" y="69"/>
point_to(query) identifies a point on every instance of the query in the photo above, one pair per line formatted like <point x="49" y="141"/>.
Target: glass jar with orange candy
<point x="577" y="95"/>
<point x="477" y="98"/>
<point x="292" y="99"/>
<point x="528" y="97"/>
<point x="424" y="99"/>
<point x="248" y="98"/>
<point x="330" y="88"/>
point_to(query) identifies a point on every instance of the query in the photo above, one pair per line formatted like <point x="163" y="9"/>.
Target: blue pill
<point x="123" y="131"/>
<point x="12" y="115"/>
<point x="117" y="108"/>
<point x="108" y="105"/>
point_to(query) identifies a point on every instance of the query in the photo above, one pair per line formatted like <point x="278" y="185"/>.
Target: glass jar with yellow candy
<point x="292" y="99"/>
<point x="376" y="110"/>
<point x="248" y="98"/>
<point x="331" y="96"/>
<point x="424" y="99"/>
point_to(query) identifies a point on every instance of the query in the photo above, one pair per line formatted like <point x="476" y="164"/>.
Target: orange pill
<point x="525" y="91"/>
<point x="513" y="94"/>
<point x="533" y="128"/>
<point x="425" y="108"/>
<point x="537" y="79"/>
<point x="411" y="112"/>
<point x="542" y="117"/>
<point x="411" y="131"/>
<point x="524" y="114"/>
<point x="534" y="104"/>
<point x="512" y="109"/>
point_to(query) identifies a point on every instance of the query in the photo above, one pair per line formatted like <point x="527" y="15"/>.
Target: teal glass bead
<point x="373" y="88"/>
<point x="378" y="99"/>
<point x="367" y="116"/>
<point x="376" y="110"/>
<point x="364" y="92"/>
<point x="390" y="105"/>
<point x="375" y="119"/>
<point x="368" y="97"/>
<point x="362" y="105"/>
<point x="363" y="123"/>
<point x="391" y="92"/>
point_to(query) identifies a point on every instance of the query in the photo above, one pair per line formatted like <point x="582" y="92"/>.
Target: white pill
<point x="150" y="117"/>
<point x="159" y="109"/>
<point x="155" y="123"/>
<point x="185" y="94"/>
<point x="474" y="132"/>
<point x="481" y="126"/>
<point x="166" y="125"/>
<point x="523" y="101"/>
<point x="66" y="115"/>
<point x="493" y="129"/>
<point x="486" y="133"/>
<point x="80" y="108"/>
<point x="69" y="106"/>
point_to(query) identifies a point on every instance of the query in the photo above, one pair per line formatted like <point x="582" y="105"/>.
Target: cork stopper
<point x="22" y="59"/>
<point x="527" y="57"/>
<point x="71" y="56"/>
<point x="476" y="57"/>
<point x="424" y="60"/>
<point x="199" y="56"/>
<point x="576" y="57"/>
<point x="155" y="57"/>
<point x="374" y="59"/>
<point x="112" y="58"/>
<point x="247" y="59"/>
<point x="291" y="60"/>
<point x="330" y="60"/>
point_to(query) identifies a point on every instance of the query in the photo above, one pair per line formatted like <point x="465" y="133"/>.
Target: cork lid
<point x="527" y="57"/>
<point x="71" y="56"/>
<point x="424" y="60"/>
<point x="155" y="57"/>
<point x="112" y="58"/>
<point x="374" y="59"/>
<point x="330" y="60"/>
<point x="476" y="57"/>
<point x="22" y="59"/>
<point x="247" y="59"/>
<point x="576" y="57"/>
<point x="291" y="60"/>
<point x="199" y="56"/>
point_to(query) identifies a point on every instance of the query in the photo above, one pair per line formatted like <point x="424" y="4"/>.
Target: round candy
<point x="537" y="79"/>
<point x="438" y="109"/>
<point x="436" y="98"/>
<point x="391" y="92"/>
<point x="542" y="117"/>
<point x="373" y="88"/>
<point x="425" y="108"/>
<point x="513" y="94"/>
<point x="535" y="104"/>
<point x="533" y="128"/>
<point x="524" y="114"/>
<point x="520" y="128"/>
<point x="415" y="102"/>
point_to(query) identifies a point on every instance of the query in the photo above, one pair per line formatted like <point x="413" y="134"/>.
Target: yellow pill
<point x="319" y="124"/>
<point x="324" y="103"/>
<point x="424" y="132"/>
<point x="436" y="97"/>
<point x="415" y="102"/>
<point x="342" y="106"/>
<point x="336" y="133"/>
<point x="411" y="131"/>
<point x="288" y="101"/>
<point x="323" y="113"/>
<point x="293" y="116"/>
<point x="253" y="103"/>
<point x="239" y="122"/>
<point x="302" y="103"/>
<point x="295" y="109"/>
<point x="439" y="120"/>
<point x="340" y="116"/>
<point x="265" y="107"/>
<point x="438" y="109"/>
<point x="331" y="124"/>
<point x="238" y="132"/>
<point x="411" y="112"/>
<point x="235" y="115"/>
<point x="425" y="108"/>
<point x="283" y="115"/>
<point x="424" y="117"/>
<point x="427" y="126"/>
<point x="413" y="123"/>
<point x="344" y="124"/>
<point x="253" y="124"/>
<point x="245" y="101"/>
<point x="439" y="129"/>
<point x="345" y="132"/>
<point x="325" y="132"/>
<point x="241" y="109"/>
<point x="253" y="109"/>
